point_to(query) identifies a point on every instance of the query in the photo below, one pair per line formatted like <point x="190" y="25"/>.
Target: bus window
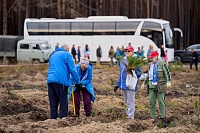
<point x="59" y="28"/>
<point x="81" y="28"/>
<point x="153" y="31"/>
<point x="168" y="36"/>
<point x="104" y="28"/>
<point x="126" y="28"/>
<point x="37" y="28"/>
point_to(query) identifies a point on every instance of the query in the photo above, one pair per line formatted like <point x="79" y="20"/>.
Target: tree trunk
<point x="135" y="7"/>
<point x="63" y="9"/>
<point x="152" y="5"/>
<point x="58" y="9"/>
<point x="90" y="8"/>
<point x="157" y="13"/>
<point x="19" y="17"/>
<point x="97" y="7"/>
<point x="141" y="10"/>
<point x="148" y="8"/>
<point x="5" y="28"/>
<point x="27" y="8"/>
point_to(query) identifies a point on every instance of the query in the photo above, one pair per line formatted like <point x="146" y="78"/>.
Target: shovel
<point x="73" y="100"/>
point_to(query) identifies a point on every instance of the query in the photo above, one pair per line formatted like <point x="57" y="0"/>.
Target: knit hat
<point x="84" y="61"/>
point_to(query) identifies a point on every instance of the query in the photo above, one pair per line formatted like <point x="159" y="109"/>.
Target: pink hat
<point x="129" y="48"/>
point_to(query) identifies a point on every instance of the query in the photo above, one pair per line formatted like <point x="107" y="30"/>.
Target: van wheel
<point x="35" y="61"/>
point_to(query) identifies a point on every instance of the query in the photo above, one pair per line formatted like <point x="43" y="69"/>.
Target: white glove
<point x="169" y="85"/>
<point x="142" y="86"/>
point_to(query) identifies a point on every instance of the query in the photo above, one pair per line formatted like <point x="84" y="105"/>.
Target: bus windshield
<point x="168" y="36"/>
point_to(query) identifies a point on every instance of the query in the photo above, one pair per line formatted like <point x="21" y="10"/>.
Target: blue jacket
<point x="122" y="77"/>
<point x="61" y="66"/>
<point x="86" y="79"/>
<point x="79" y="52"/>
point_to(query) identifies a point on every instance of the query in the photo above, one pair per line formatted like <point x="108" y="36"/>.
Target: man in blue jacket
<point x="61" y="65"/>
<point x="129" y="95"/>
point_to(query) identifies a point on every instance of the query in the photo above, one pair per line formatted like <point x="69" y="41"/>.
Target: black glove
<point x="115" y="89"/>
<point x="78" y="86"/>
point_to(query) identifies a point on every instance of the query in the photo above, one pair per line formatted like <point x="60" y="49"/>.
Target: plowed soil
<point x="24" y="105"/>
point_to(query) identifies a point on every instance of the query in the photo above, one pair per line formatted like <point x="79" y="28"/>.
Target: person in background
<point x="79" y="53"/>
<point x="61" y="66"/>
<point x="86" y="52"/>
<point x="158" y="80"/>
<point x="85" y="72"/>
<point x="166" y="57"/>
<point x="129" y="95"/>
<point x="111" y="55"/>
<point x="139" y="53"/>
<point x="117" y="55"/>
<point x="57" y="46"/>
<point x="142" y="49"/>
<point x="73" y="52"/>
<point x="162" y="52"/>
<point x="129" y="44"/>
<point x="159" y="40"/>
<point x="195" y="59"/>
<point x="122" y="53"/>
<point x="99" y="54"/>
<point x="149" y="50"/>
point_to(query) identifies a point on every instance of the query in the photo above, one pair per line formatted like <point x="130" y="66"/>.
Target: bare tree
<point x="63" y="9"/>
<point x="157" y="12"/>
<point x="58" y="8"/>
<point x="135" y="7"/>
<point x="5" y="17"/>
<point x="148" y="9"/>
<point x="27" y="8"/>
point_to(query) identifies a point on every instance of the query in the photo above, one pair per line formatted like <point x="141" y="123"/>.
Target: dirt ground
<point x="24" y="105"/>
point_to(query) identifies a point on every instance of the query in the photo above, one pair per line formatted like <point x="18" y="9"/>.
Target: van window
<point x="24" y="46"/>
<point x="36" y="47"/>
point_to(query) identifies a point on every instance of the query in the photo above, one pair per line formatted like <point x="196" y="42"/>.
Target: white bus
<point x="106" y="31"/>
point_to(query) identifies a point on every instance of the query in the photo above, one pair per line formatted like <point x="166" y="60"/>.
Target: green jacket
<point x="163" y="77"/>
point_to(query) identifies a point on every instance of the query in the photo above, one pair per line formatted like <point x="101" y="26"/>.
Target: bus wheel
<point x="35" y="61"/>
<point x="177" y="59"/>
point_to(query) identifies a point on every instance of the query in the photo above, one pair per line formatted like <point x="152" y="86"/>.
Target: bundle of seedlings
<point x="133" y="63"/>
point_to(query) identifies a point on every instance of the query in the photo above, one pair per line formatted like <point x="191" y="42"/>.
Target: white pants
<point x="129" y="98"/>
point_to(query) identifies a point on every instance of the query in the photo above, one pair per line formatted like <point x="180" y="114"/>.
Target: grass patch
<point x="197" y="107"/>
<point x="177" y="67"/>
<point x="173" y="104"/>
